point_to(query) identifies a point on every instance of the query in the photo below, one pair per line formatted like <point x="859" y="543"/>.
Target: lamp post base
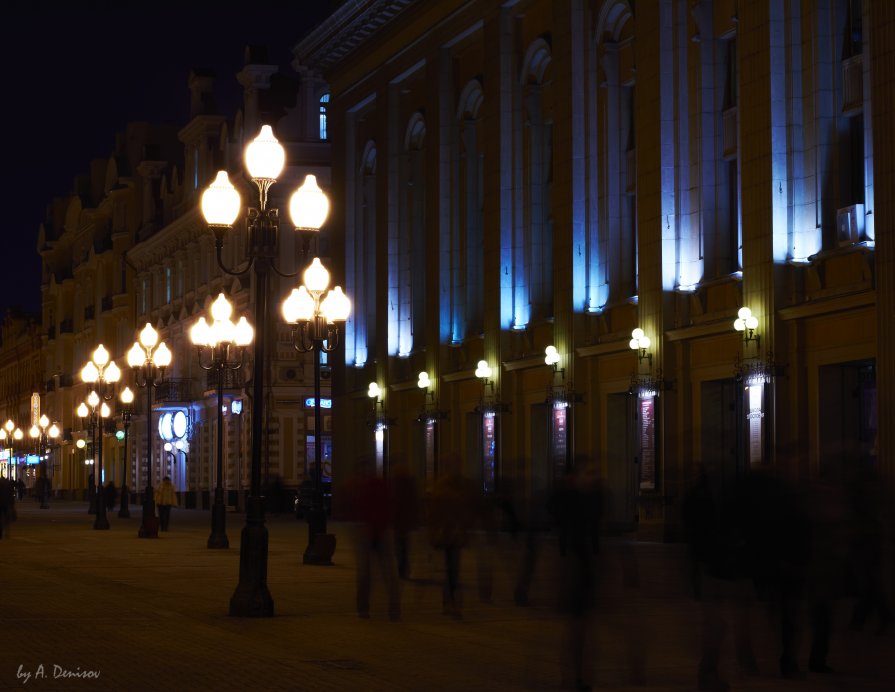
<point x="321" y="545"/>
<point x="149" y="523"/>
<point x="218" y="537"/>
<point x="124" y="512"/>
<point x="252" y="598"/>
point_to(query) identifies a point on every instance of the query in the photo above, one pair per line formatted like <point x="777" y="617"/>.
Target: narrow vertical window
<point x="324" y="103"/>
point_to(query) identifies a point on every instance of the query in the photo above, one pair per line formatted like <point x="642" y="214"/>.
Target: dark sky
<point x="74" y="76"/>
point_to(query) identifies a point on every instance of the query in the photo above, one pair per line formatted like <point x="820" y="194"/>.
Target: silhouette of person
<point x="369" y="497"/>
<point x="405" y="513"/>
<point x="576" y="506"/>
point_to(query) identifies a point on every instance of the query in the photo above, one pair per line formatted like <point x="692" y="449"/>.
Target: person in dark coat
<point x="576" y="506"/>
<point x="7" y="506"/>
<point x="405" y="514"/>
<point x="110" y="493"/>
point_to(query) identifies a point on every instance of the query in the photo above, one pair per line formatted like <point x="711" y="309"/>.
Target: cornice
<point x="167" y="242"/>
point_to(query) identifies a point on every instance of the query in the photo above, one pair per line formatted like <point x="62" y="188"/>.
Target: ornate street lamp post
<point x="44" y="436"/>
<point x="224" y="344"/>
<point x="148" y="358"/>
<point x="127" y="410"/>
<point x="11" y="433"/>
<point x="264" y="160"/>
<point x="93" y="413"/>
<point x="104" y="374"/>
<point x="316" y="322"/>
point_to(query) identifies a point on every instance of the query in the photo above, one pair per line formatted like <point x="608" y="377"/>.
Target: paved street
<point x="138" y="614"/>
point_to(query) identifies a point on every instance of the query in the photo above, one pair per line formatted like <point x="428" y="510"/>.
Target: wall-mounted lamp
<point x="551" y="357"/>
<point x="640" y="343"/>
<point x="380" y="420"/>
<point x="483" y="372"/>
<point x="424" y="382"/>
<point x="747" y="323"/>
<point x="430" y="412"/>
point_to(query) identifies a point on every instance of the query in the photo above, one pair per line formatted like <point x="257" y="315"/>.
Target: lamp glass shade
<point x="744" y="313"/>
<point x="112" y="372"/>
<point x="93" y="399"/>
<point x="44" y="421"/>
<point x="162" y="356"/>
<point x="220" y="201"/>
<point x="336" y="307"/>
<point x="221" y="309"/>
<point x="751" y="322"/>
<point x="244" y="333"/>
<point x="148" y="337"/>
<point x="309" y="205"/>
<point x="127" y="396"/>
<point x="200" y="332"/>
<point x="90" y="373"/>
<point x="645" y="342"/>
<point x="299" y="306"/>
<point x="222" y="332"/>
<point x="739" y="324"/>
<point x="80" y="444"/>
<point x="9" y="425"/>
<point x="265" y="157"/>
<point x="637" y="333"/>
<point x="136" y="356"/>
<point x="82" y="410"/>
<point x="104" y="410"/>
<point x="18" y="434"/>
<point x="633" y="344"/>
<point x="423" y="381"/>
<point x="2" y="433"/>
<point x="100" y="355"/>
<point x="34" y="431"/>
<point x="373" y="391"/>
<point x="316" y="277"/>
<point x="53" y="431"/>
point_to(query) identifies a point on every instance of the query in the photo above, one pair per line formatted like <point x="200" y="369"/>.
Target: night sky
<point x="74" y="76"/>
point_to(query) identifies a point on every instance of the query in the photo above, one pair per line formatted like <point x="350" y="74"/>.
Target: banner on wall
<point x="647" y="443"/>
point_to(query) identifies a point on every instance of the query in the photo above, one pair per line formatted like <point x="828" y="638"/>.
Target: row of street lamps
<point x="316" y="314"/>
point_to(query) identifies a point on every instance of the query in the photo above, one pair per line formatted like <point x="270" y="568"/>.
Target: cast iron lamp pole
<point x="316" y="321"/>
<point x="264" y="160"/>
<point x="104" y="374"/>
<point x="94" y="416"/>
<point x="220" y="342"/>
<point x="148" y="358"/>
<point x="43" y="433"/>
<point x="127" y="401"/>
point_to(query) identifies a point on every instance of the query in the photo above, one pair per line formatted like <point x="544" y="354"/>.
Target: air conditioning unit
<point x="850" y="224"/>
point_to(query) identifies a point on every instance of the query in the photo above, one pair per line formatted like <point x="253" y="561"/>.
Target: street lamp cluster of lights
<point x="221" y="347"/>
<point x="10" y="436"/>
<point x="44" y="435"/>
<point x="315" y="313"/>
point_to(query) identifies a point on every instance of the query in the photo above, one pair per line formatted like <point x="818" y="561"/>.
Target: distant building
<point x="131" y="247"/>
<point x="513" y="176"/>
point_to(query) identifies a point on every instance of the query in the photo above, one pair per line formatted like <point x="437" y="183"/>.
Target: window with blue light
<point x="324" y="104"/>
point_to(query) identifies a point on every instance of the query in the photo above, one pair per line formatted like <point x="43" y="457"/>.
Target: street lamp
<point x="220" y="341"/>
<point x="44" y="436"/>
<point x="264" y="159"/>
<point x="127" y="410"/>
<point x="148" y="358"/>
<point x="316" y="315"/>
<point x="11" y="433"/>
<point x="93" y="411"/>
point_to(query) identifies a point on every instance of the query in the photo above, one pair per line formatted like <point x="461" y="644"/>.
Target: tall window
<point x="361" y="261"/>
<point x="324" y="104"/>
<point x="412" y="239"/>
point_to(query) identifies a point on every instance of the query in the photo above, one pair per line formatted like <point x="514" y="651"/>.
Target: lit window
<point x="324" y="104"/>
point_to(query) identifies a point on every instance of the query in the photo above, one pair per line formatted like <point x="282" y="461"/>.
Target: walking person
<point x="165" y="498"/>
<point x="7" y="506"/>
<point x="405" y="513"/>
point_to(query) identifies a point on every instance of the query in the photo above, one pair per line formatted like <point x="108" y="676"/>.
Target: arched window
<point x="324" y="104"/>
<point x="361" y="267"/>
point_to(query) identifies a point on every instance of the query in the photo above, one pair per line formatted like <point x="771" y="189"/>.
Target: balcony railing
<point x="233" y="379"/>
<point x="174" y="391"/>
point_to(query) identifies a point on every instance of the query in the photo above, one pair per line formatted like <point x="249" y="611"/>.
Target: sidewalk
<point x="152" y="614"/>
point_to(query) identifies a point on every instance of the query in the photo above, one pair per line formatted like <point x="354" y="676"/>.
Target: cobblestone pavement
<point x="104" y="610"/>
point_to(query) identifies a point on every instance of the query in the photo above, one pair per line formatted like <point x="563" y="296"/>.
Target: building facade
<point x="131" y="248"/>
<point x="519" y="175"/>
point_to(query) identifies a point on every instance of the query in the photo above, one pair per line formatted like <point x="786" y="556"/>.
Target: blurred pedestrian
<point x="110" y="494"/>
<point x="7" y="506"/>
<point x="368" y="495"/>
<point x="20" y="486"/>
<point x="165" y="498"/>
<point x="405" y="512"/>
<point x="720" y="579"/>
<point x="576" y="506"/>
<point x="450" y="519"/>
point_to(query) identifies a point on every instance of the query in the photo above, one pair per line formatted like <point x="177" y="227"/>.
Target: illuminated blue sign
<point x="236" y="406"/>
<point x="32" y="459"/>
<point x="324" y="403"/>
